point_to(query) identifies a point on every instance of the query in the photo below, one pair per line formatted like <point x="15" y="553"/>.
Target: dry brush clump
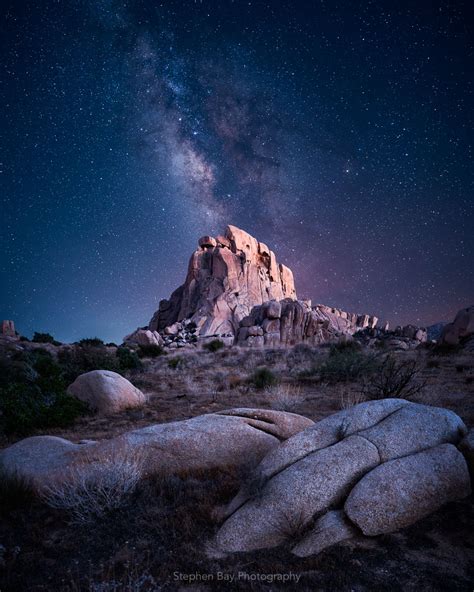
<point x="96" y="487"/>
<point x="397" y="379"/>
<point x="284" y="397"/>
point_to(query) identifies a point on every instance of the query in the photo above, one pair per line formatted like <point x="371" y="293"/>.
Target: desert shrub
<point x="77" y="360"/>
<point x="16" y="369"/>
<point x="398" y="379"/>
<point x="150" y="351"/>
<point x="345" y="364"/>
<point x="97" y="487"/>
<point x="214" y="345"/>
<point x="25" y="408"/>
<point x="343" y="347"/>
<point x="349" y="398"/>
<point x="175" y="363"/>
<point x="94" y="341"/>
<point x="263" y="377"/>
<point x="284" y="397"/>
<point x="42" y="338"/>
<point x="128" y="359"/>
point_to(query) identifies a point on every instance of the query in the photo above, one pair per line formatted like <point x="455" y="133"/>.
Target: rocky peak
<point x="227" y="276"/>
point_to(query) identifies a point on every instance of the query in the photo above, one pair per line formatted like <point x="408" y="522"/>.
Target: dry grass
<point x="284" y="397"/>
<point x="95" y="488"/>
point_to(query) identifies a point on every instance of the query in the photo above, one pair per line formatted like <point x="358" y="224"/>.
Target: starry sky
<point x="337" y="132"/>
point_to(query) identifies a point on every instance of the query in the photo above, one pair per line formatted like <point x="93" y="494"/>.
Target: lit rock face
<point x="143" y="337"/>
<point x="232" y="438"/>
<point x="295" y="321"/>
<point x="227" y="276"/>
<point x="374" y="468"/>
<point x="460" y="330"/>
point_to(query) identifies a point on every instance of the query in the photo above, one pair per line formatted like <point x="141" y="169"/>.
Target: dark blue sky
<point x="339" y="133"/>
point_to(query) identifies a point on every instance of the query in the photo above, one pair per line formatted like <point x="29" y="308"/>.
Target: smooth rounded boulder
<point x="106" y="392"/>
<point x="393" y="455"/>
<point x="405" y="490"/>
<point x="235" y="438"/>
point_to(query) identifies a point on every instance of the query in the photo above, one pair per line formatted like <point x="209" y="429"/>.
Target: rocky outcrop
<point x="8" y="329"/>
<point x="232" y="438"/>
<point x="143" y="337"/>
<point x="460" y="331"/>
<point x="227" y="276"/>
<point x="106" y="392"/>
<point x="374" y="468"/>
<point x="400" y="339"/>
<point x="289" y="322"/>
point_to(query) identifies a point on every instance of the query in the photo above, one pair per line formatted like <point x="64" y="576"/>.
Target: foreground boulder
<point x="374" y="468"/>
<point x="232" y="438"/>
<point x="106" y="392"/>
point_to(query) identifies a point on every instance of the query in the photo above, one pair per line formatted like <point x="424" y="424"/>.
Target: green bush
<point x="128" y="359"/>
<point x="93" y="341"/>
<point x="346" y="364"/>
<point x="25" y="408"/>
<point x="214" y="345"/>
<point x="43" y="338"/>
<point x="175" y="363"/>
<point x="150" y="351"/>
<point x="80" y="359"/>
<point x="263" y="378"/>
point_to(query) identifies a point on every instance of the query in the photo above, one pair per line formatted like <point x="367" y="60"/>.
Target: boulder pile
<point x="295" y="321"/>
<point x="375" y="468"/>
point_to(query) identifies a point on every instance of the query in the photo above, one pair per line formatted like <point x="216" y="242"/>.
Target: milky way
<point x="340" y="134"/>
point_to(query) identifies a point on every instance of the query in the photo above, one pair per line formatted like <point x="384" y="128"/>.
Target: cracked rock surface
<point x="371" y="469"/>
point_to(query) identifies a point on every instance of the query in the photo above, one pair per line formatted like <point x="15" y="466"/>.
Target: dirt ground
<point x="158" y="541"/>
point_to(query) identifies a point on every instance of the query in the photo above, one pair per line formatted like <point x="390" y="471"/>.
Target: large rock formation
<point x="8" y="329"/>
<point x="378" y="466"/>
<point x="236" y="289"/>
<point x="227" y="276"/>
<point x="460" y="331"/>
<point x="295" y="321"/>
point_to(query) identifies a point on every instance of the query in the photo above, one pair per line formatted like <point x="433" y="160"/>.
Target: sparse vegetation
<point x="214" y="345"/>
<point x="128" y="359"/>
<point x="174" y="363"/>
<point x="33" y="395"/>
<point x="44" y="338"/>
<point x="263" y="378"/>
<point x="92" y="341"/>
<point x="97" y="487"/>
<point x="151" y="351"/>
<point x="284" y="397"/>
<point x="395" y="379"/>
<point x="346" y="362"/>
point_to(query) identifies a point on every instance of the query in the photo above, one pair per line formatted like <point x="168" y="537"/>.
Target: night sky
<point x="338" y="133"/>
